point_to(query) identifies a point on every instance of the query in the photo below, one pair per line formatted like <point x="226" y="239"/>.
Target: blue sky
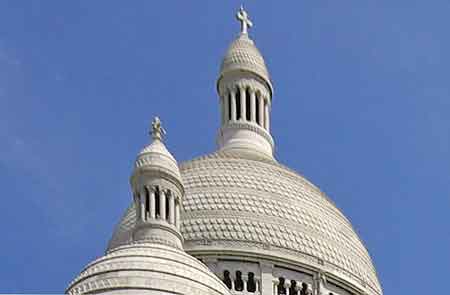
<point x="361" y="108"/>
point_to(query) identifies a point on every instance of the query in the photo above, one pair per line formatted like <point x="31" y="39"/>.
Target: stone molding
<point x="255" y="85"/>
<point x="234" y="125"/>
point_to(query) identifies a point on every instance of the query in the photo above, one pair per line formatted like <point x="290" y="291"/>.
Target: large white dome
<point x="239" y="203"/>
<point x="258" y="226"/>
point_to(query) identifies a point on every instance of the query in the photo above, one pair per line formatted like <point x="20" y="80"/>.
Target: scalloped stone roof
<point x="147" y="267"/>
<point x="243" y="55"/>
<point x="239" y="202"/>
<point x="156" y="156"/>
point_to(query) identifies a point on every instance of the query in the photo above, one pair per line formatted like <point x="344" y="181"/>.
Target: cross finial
<point x="157" y="130"/>
<point x="242" y="16"/>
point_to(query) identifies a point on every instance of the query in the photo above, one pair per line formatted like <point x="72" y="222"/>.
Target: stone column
<point x="253" y="106"/>
<point x="142" y="197"/>
<point x="245" y="281"/>
<point x="266" y="286"/>
<point x="232" y="280"/>
<point x="152" y="203"/>
<point x="233" y="105"/>
<point x="171" y="209"/>
<point x="266" y="116"/>
<point x="137" y="205"/>
<point x="226" y="108"/>
<point x="261" y="111"/>
<point x="162" y="205"/>
<point x="243" y="104"/>
<point x="275" y="286"/>
<point x="287" y="285"/>
<point x="258" y="285"/>
<point x="177" y="214"/>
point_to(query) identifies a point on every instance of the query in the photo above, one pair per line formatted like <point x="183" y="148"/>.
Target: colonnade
<point x="281" y="286"/>
<point x="245" y="104"/>
<point x="249" y="284"/>
<point x="154" y="203"/>
<point x="246" y="283"/>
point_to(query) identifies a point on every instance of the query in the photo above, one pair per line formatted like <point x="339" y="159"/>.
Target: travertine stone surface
<point x="147" y="268"/>
<point x="242" y="55"/>
<point x="239" y="202"/>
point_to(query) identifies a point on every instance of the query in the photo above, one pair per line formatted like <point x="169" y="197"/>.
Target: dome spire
<point x="242" y="17"/>
<point x="245" y="93"/>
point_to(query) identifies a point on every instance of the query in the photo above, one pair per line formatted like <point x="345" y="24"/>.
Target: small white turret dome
<point x="242" y="55"/>
<point x="155" y="156"/>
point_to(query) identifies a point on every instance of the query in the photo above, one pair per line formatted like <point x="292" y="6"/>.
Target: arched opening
<point x="280" y="287"/>
<point x="167" y="205"/>
<point x="248" y="106"/>
<point x="257" y="102"/>
<point x="157" y="193"/>
<point x="238" y="283"/>
<point x="226" y="279"/>
<point x="304" y="290"/>
<point x="251" y="284"/>
<point x="147" y="204"/>
<point x="238" y="104"/>
<point x="293" y="287"/>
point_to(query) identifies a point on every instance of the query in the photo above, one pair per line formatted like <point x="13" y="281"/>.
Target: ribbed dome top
<point x="242" y="55"/>
<point x="156" y="157"/>
<point x="143" y="268"/>
<point x="237" y="202"/>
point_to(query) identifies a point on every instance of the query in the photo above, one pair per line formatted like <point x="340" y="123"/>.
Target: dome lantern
<point x="245" y="93"/>
<point x="157" y="192"/>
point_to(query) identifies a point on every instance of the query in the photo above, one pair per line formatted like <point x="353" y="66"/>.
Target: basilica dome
<point x="237" y="202"/>
<point x="259" y="226"/>
<point x="147" y="268"/>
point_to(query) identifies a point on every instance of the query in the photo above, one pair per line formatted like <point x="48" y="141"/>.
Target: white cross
<point x="242" y="16"/>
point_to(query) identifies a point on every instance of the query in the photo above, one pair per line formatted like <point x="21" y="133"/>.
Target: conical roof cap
<point x="155" y="156"/>
<point x="243" y="55"/>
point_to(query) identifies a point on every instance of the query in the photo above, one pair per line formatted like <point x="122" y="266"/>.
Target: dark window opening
<point x="157" y="192"/>
<point x="304" y="290"/>
<point x="251" y="284"/>
<point x="167" y="206"/>
<point x="257" y="111"/>
<point x="248" y="106"/>
<point x="293" y="287"/>
<point x="227" y="279"/>
<point x="280" y="287"/>
<point x="238" y="104"/>
<point x="147" y="204"/>
<point x="238" y="283"/>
